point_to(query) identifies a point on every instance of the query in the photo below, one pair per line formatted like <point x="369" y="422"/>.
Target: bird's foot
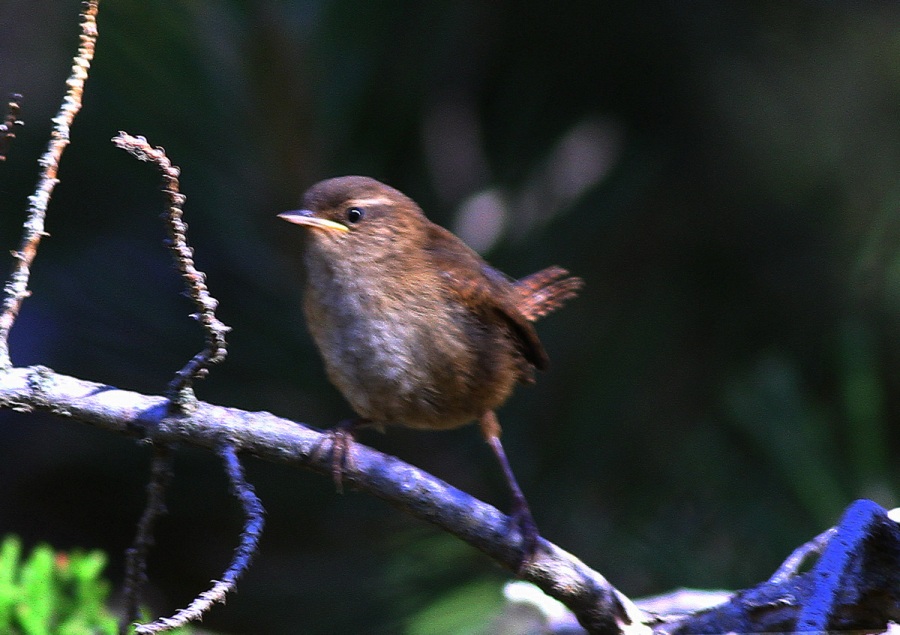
<point x="522" y="520"/>
<point x="336" y="442"/>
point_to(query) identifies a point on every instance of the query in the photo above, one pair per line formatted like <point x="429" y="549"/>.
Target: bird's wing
<point x="477" y="284"/>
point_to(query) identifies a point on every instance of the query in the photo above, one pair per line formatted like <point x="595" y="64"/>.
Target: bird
<point x="416" y="329"/>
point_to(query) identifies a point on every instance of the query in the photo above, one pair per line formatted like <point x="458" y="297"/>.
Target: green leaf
<point x="10" y="553"/>
<point x="38" y="592"/>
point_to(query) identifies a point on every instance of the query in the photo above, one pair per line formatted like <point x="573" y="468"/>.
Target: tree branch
<point x="855" y="585"/>
<point x="598" y="605"/>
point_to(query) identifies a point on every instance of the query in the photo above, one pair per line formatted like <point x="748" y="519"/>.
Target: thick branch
<point x="854" y="585"/>
<point x="599" y="607"/>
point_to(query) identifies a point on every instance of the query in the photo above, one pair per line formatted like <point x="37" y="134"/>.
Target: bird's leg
<point x="521" y="514"/>
<point x="339" y="439"/>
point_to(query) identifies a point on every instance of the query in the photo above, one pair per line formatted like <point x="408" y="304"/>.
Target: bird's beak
<point x="308" y="218"/>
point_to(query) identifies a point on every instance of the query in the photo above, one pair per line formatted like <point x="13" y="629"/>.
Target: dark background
<point x="724" y="176"/>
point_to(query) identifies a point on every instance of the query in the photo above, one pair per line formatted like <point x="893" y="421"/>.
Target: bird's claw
<point x="522" y="520"/>
<point x="336" y="443"/>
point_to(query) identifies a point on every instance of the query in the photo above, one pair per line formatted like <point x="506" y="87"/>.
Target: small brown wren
<point x="414" y="327"/>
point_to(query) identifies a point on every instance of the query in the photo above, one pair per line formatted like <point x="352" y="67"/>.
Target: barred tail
<point x="545" y="291"/>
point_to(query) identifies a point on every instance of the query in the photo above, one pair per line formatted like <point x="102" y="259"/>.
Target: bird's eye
<point x="355" y="214"/>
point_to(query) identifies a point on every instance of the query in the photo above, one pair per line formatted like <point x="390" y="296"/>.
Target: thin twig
<point x="16" y="289"/>
<point x="791" y="566"/>
<point x="253" y="525"/>
<point x="180" y="389"/>
<point x="10" y="122"/>
<point x="136" y="555"/>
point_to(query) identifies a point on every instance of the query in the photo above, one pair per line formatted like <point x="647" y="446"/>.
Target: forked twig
<point x="253" y="525"/>
<point x="16" y="289"/>
<point x="180" y="390"/>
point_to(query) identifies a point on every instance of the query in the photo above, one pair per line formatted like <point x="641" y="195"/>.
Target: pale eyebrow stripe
<point x="378" y="200"/>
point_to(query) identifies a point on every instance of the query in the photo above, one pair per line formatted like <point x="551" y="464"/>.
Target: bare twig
<point x="136" y="555"/>
<point x="598" y="605"/>
<point x="253" y="512"/>
<point x="16" y="289"/>
<point x="10" y="122"/>
<point x="180" y="390"/>
<point x="791" y="566"/>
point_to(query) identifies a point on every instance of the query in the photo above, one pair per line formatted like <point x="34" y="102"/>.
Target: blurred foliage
<point x="723" y="175"/>
<point x="55" y="593"/>
<point x="52" y="593"/>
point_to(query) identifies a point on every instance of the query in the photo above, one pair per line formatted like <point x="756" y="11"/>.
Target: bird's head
<point x="353" y="216"/>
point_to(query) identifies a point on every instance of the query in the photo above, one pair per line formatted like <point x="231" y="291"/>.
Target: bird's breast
<point x="401" y="353"/>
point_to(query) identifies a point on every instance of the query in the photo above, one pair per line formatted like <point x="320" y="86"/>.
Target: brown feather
<point x="545" y="291"/>
<point x="480" y="285"/>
